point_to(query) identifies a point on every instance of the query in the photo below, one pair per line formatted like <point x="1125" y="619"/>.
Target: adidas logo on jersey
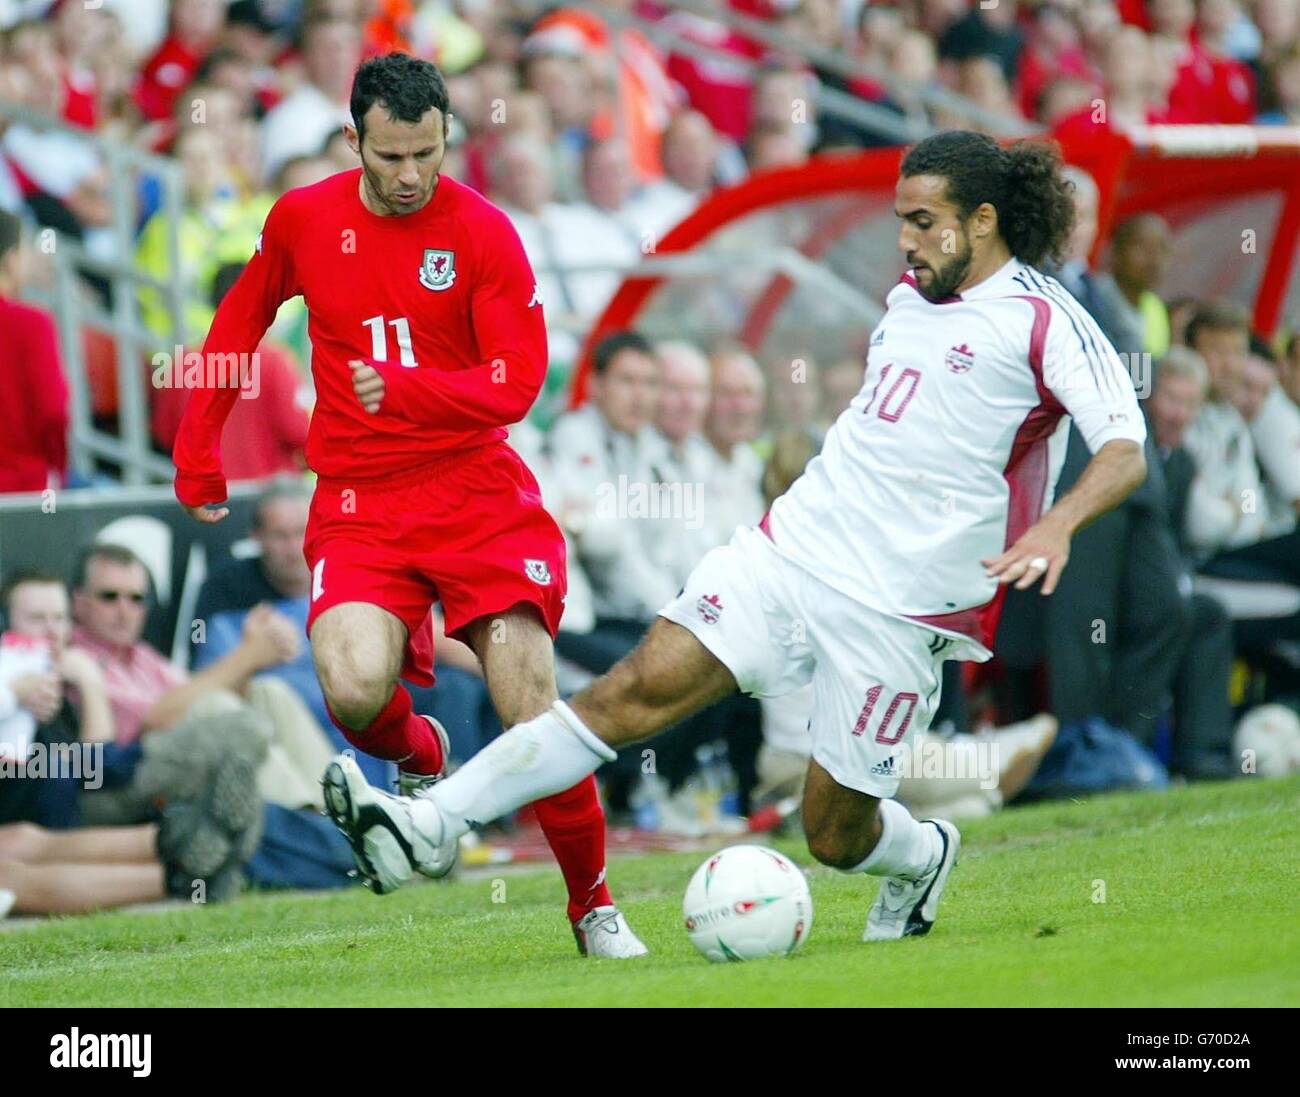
<point x="885" y="768"/>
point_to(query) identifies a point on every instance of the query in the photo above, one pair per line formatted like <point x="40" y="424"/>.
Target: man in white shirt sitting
<point x="619" y="503"/>
<point x="694" y="162"/>
<point x="302" y="122"/>
<point x="602" y="457"/>
<point x="1230" y="523"/>
<point x="733" y="494"/>
<point x="687" y="457"/>
<point x="558" y="236"/>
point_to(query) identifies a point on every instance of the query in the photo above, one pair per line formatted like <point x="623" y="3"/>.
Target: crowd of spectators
<point x="597" y="142"/>
<point x="594" y="138"/>
<point x="188" y="781"/>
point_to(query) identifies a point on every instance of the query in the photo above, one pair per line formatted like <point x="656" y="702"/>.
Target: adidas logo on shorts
<point x="885" y="768"/>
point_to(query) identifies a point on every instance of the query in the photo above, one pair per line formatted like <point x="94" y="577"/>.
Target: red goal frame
<point x="1143" y="172"/>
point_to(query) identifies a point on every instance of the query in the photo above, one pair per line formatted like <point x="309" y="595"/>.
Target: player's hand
<point x="1041" y="553"/>
<point x="368" y="384"/>
<point x="40" y="694"/>
<point x="203" y="514"/>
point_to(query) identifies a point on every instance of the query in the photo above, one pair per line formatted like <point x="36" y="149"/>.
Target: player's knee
<point x="356" y="695"/>
<point x="21" y="842"/>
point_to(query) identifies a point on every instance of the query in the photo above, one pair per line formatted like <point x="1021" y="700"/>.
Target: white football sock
<point x="906" y="847"/>
<point x="537" y="758"/>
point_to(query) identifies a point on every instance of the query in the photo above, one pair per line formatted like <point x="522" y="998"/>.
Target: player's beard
<point x="387" y="200"/>
<point x="949" y="276"/>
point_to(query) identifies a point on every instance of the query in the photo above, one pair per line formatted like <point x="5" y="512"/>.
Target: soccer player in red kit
<point x="428" y="340"/>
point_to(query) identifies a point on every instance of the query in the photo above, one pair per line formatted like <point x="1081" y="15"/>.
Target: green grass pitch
<point x="1201" y="890"/>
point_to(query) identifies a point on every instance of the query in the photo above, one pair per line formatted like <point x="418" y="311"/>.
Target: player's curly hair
<point x="1023" y="182"/>
<point x="406" y="87"/>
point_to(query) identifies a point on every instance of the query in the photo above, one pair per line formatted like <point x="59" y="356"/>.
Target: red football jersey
<point x="443" y="303"/>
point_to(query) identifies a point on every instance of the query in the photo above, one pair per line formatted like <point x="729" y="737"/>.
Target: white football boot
<point x="386" y="844"/>
<point x="907" y="908"/>
<point x="605" y="934"/>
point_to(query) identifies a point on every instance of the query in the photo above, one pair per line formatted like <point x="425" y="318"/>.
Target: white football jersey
<point x="952" y="448"/>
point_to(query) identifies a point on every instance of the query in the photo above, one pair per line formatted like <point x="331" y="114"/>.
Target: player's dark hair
<point x="1022" y="182"/>
<point x="405" y="86"/>
<point x="612" y="346"/>
<point x="1216" y="316"/>
<point x="26" y="575"/>
<point x="11" y="232"/>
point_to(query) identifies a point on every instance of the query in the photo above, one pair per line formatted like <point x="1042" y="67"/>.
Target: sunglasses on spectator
<point x="115" y="595"/>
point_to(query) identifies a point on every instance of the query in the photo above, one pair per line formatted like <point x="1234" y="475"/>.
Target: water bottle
<point x="651" y="791"/>
<point x="710" y="809"/>
<point x="730" y="784"/>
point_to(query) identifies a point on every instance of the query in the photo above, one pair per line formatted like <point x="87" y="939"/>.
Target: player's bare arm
<point x="1043" y="550"/>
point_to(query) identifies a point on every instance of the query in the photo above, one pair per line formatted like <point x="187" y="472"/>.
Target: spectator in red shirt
<point x="195" y="28"/>
<point x="1054" y="52"/>
<point x="34" y="411"/>
<point x="1132" y="88"/>
<point x="82" y="32"/>
<point x="1233" y="87"/>
<point x="1193" y="96"/>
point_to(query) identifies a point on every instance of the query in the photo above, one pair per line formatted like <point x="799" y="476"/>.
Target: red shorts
<point x="468" y="530"/>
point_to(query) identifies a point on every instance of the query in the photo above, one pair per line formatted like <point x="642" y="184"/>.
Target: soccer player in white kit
<point x="890" y="555"/>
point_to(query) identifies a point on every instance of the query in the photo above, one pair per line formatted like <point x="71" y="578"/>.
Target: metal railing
<point x="707" y="260"/>
<point x="74" y="310"/>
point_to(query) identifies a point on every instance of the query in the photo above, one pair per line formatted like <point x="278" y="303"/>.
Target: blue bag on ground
<point x="299" y="849"/>
<point x="1093" y="756"/>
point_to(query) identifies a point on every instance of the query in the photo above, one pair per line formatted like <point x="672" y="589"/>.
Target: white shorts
<point x="776" y="627"/>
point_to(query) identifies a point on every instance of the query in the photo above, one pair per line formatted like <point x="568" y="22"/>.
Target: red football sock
<point x="574" y="824"/>
<point x="398" y="735"/>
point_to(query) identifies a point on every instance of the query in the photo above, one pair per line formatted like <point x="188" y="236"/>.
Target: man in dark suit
<point x="1202" y="714"/>
<point x="1111" y="632"/>
<point x="1123" y="630"/>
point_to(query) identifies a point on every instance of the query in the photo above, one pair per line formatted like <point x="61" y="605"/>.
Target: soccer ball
<point x="1271" y="733"/>
<point x="746" y="902"/>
